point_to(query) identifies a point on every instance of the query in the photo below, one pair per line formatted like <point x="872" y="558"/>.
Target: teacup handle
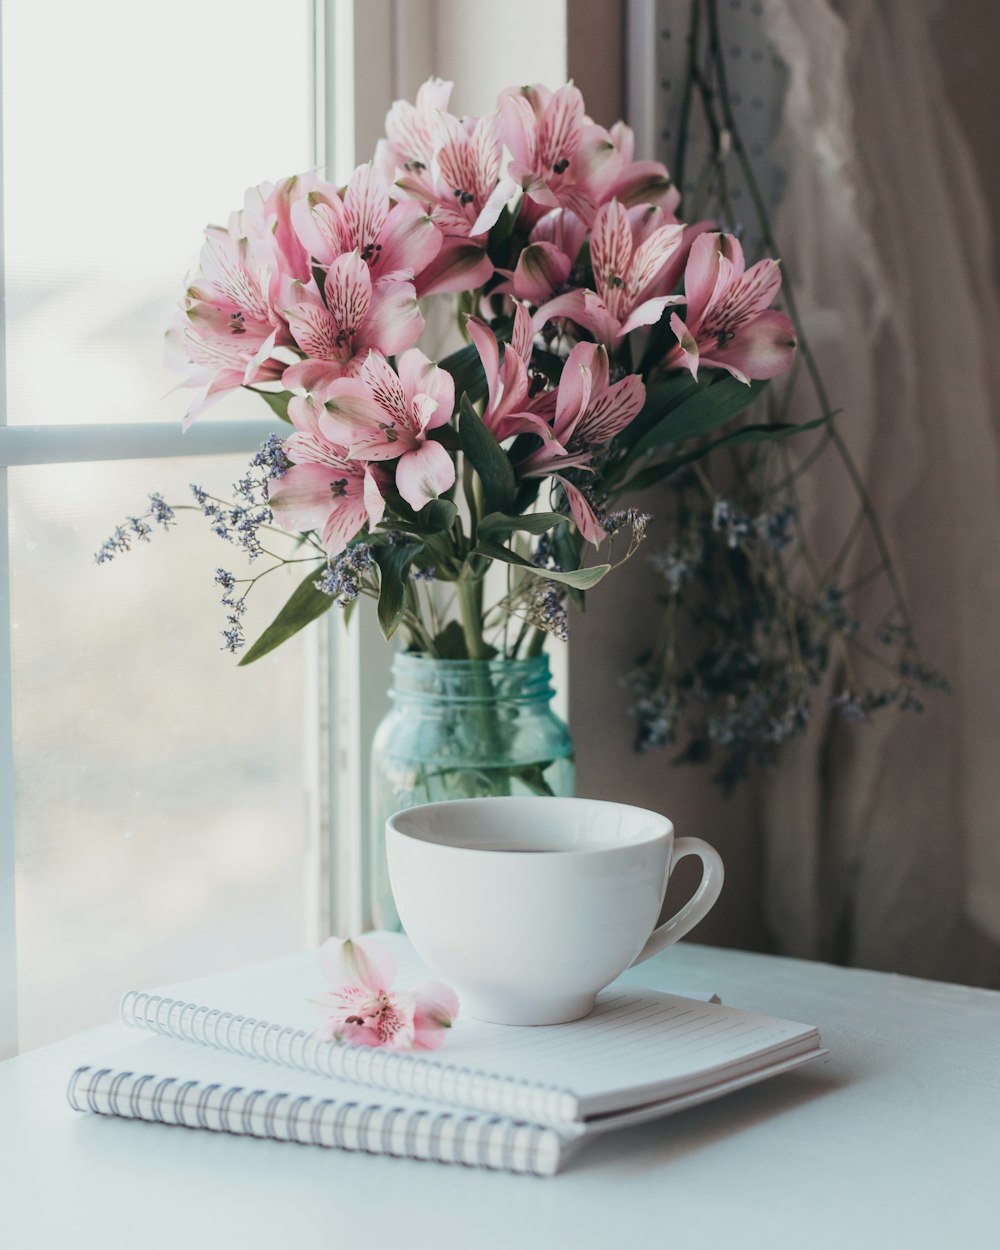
<point x="700" y="903"/>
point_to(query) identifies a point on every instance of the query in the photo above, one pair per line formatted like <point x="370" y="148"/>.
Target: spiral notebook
<point x="516" y="1098"/>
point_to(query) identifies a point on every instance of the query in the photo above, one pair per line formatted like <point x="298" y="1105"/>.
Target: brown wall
<point x="968" y="39"/>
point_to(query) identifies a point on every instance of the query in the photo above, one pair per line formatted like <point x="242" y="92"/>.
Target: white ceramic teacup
<point x="529" y="906"/>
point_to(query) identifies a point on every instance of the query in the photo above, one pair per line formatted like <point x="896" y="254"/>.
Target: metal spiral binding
<point x="295" y="1048"/>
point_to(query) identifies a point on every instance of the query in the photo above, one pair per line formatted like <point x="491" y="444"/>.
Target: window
<point x="155" y="819"/>
<point x="163" y="814"/>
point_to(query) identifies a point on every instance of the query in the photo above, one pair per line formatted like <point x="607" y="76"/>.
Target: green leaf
<point x="393" y="565"/>
<point x="661" y="399"/>
<point x="306" y="604"/>
<point x="467" y="370"/>
<point x="699" y="413"/>
<point x="580" y="579"/>
<point x="488" y="458"/>
<point x="748" y="434"/>
<point x="435" y="517"/>
<point x="447" y="436"/>
<point x="495" y="527"/>
<point x="277" y="401"/>
<point x="450" y="642"/>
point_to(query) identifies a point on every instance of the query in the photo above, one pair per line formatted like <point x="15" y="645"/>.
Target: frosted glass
<point x="124" y="135"/>
<point x="160" y="805"/>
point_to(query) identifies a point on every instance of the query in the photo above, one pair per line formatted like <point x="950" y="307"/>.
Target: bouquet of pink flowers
<point x="601" y="339"/>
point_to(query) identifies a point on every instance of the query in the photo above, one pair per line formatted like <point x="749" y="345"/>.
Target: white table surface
<point x="892" y="1142"/>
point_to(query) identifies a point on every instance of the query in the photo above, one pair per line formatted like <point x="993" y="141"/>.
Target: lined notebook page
<point x="638" y="1045"/>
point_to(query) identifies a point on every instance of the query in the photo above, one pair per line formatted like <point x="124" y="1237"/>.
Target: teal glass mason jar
<point x="462" y="729"/>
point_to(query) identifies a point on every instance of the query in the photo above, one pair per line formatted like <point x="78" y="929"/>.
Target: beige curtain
<point x="882" y="842"/>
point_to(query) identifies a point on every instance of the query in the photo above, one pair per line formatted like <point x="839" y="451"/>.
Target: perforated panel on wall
<point x="756" y="80"/>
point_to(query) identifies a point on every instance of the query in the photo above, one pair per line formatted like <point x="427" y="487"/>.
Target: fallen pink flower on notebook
<point x="360" y="1007"/>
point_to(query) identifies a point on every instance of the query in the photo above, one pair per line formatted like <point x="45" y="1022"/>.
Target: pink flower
<point x="396" y="241"/>
<point x="510" y="401"/>
<point x="612" y="173"/>
<point x="728" y="324"/>
<point x="589" y="413"/>
<point x="543" y="131"/>
<point x="267" y="214"/>
<point x="545" y="266"/>
<point x="383" y="415"/>
<point x="360" y="1007"/>
<point x="452" y="169"/>
<point x="228" y="326"/>
<point x="560" y="158"/>
<point x="353" y="316"/>
<point x="626" y="266"/>
<point x="324" y="490"/>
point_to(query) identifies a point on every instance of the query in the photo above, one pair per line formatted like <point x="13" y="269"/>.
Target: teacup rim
<point x="666" y="830"/>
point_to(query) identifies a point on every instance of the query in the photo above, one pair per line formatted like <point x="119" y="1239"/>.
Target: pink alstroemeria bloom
<point x="511" y="406"/>
<point x="229" y="325"/>
<point x="396" y="241"/>
<point x="452" y="169"/>
<point x="382" y="415"/>
<point x="356" y="317"/>
<point x="561" y="158"/>
<point x="589" y="413"/>
<point x="610" y="172"/>
<point x="728" y="322"/>
<point x="545" y="266"/>
<point x="625" y="271"/>
<point x="361" y="1007"/>
<point x="267" y="214"/>
<point x="324" y="489"/>
<point x="543" y="130"/>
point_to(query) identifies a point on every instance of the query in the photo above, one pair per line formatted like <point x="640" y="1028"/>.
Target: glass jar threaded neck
<point x="427" y="680"/>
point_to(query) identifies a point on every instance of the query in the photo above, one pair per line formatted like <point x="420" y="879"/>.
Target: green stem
<point x="470" y="602"/>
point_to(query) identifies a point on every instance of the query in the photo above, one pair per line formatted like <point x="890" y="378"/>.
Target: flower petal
<point x="357" y="961"/>
<point x="366" y="206"/>
<point x="489" y="353"/>
<point x="522" y="335"/>
<point x="651" y="256"/>
<point x="459" y="266"/>
<point x="762" y="348"/>
<point x="318" y="219"/>
<point x="409" y="240"/>
<point x="315" y="331"/>
<point x="610" y="248"/>
<point x="372" y="494"/>
<point x="424" y="473"/>
<point x="586" y="309"/>
<point x="307" y="496"/>
<point x="686" y="353"/>
<point x="436" y="1007"/>
<point x="394" y="322"/>
<point x="421" y="376"/>
<point x="700" y="275"/>
<point x="611" y="411"/>
<point x="575" y="388"/>
<point x="583" y="514"/>
<point x="541" y="269"/>
<point x="648" y="313"/>
<point x="385" y="386"/>
<point x="348" y="293"/>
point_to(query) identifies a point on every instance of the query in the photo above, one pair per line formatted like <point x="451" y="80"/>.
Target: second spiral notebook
<point x="638" y="1055"/>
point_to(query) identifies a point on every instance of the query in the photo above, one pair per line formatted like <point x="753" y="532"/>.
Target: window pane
<point x="159" y="803"/>
<point x="124" y="136"/>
